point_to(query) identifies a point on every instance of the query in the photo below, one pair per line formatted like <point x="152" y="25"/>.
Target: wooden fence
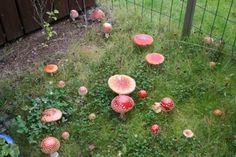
<point x="17" y="16"/>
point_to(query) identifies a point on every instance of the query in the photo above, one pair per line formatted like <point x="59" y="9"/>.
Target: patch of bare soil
<point x="25" y="52"/>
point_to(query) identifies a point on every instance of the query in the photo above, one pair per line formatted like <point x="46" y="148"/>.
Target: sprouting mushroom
<point x="92" y="116"/>
<point x="142" y="94"/>
<point x="83" y="91"/>
<point x="167" y="104"/>
<point x="61" y="84"/>
<point x="157" y="107"/>
<point x="50" y="68"/>
<point x="50" y="145"/>
<point x="97" y="14"/>
<point x="106" y="28"/>
<point x="51" y="115"/>
<point x="65" y="135"/>
<point x="218" y="112"/>
<point x="122" y="104"/>
<point x="155" y="128"/>
<point x="208" y="40"/>
<point x="74" y="14"/>
<point x="154" y="58"/>
<point x="188" y="133"/>
<point x="212" y="65"/>
<point x="121" y="84"/>
<point x="143" y="40"/>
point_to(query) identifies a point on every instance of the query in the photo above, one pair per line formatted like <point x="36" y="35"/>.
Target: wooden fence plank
<point x="62" y="6"/>
<point x="74" y="5"/>
<point x="2" y="36"/>
<point x="10" y="19"/>
<point x="27" y="15"/>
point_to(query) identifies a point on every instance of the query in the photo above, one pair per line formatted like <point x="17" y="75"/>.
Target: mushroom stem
<point x="122" y="115"/>
<point x="55" y="154"/>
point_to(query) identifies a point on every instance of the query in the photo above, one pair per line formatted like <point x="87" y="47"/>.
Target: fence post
<point x="188" y="19"/>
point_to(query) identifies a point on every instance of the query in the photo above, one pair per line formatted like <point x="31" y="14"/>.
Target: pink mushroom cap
<point x="155" y="58"/>
<point x="143" y="40"/>
<point x="122" y="103"/>
<point x="167" y="104"/>
<point x="50" y="145"/>
<point x="97" y="14"/>
<point x="106" y="27"/>
<point x="51" y="115"/>
<point x="74" y="14"/>
<point x="83" y="90"/>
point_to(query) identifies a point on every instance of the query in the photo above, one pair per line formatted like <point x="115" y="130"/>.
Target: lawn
<point x="185" y="76"/>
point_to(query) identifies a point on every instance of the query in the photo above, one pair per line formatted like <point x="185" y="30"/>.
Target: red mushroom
<point x="155" y="58"/>
<point x="143" y="40"/>
<point x="83" y="91"/>
<point x="122" y="104"/>
<point x="122" y="84"/>
<point x="61" y="84"/>
<point x="50" y="145"/>
<point x="155" y="129"/>
<point x="106" y="27"/>
<point x="142" y="94"/>
<point x="65" y="135"/>
<point x="51" y="115"/>
<point x="50" y="68"/>
<point x="74" y="14"/>
<point x="167" y="104"/>
<point x="97" y="14"/>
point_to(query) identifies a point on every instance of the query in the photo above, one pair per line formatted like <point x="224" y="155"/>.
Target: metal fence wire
<point x="213" y="18"/>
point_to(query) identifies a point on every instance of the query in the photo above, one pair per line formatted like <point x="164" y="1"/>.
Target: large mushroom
<point x="122" y="84"/>
<point x="50" y="145"/>
<point x="122" y="104"/>
<point x="142" y="40"/>
<point x="155" y="58"/>
<point x="50" y="68"/>
<point x="97" y="14"/>
<point x="51" y="115"/>
<point x="167" y="104"/>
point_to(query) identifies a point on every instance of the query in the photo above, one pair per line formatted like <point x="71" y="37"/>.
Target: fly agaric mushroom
<point x="188" y="133"/>
<point x="83" y="90"/>
<point x="74" y="14"/>
<point x="212" y="65"/>
<point x="92" y="116"/>
<point x="51" y="115"/>
<point x="218" y="112"/>
<point x="61" y="84"/>
<point x="142" y="94"/>
<point x="208" y="40"/>
<point x="50" y="145"/>
<point x="167" y="104"/>
<point x="155" y="129"/>
<point x="143" y="40"/>
<point x="121" y="84"/>
<point x="156" y="107"/>
<point x="106" y="27"/>
<point x="50" y="68"/>
<point x="65" y="135"/>
<point x="97" y="14"/>
<point x="154" y="58"/>
<point x="122" y="104"/>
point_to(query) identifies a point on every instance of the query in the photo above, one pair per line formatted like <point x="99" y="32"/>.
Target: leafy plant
<point x="8" y="149"/>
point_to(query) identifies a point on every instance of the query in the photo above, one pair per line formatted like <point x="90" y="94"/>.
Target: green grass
<point x="185" y="76"/>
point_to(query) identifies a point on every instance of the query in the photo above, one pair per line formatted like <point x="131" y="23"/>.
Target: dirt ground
<point x="23" y="54"/>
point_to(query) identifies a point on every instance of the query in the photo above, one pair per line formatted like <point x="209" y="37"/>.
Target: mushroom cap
<point x="65" y="135"/>
<point x="106" y="27"/>
<point x="167" y="104"/>
<point x="83" y="90"/>
<point x="97" y="14"/>
<point x="50" y="145"/>
<point x="155" y="58"/>
<point x="50" y="68"/>
<point x="51" y="115"/>
<point x="188" y="133"/>
<point x="143" y="40"/>
<point x="208" y="40"/>
<point x="218" y="112"/>
<point x="74" y="14"/>
<point x="122" y="103"/>
<point x="121" y="84"/>
<point x="155" y="129"/>
<point x="61" y="84"/>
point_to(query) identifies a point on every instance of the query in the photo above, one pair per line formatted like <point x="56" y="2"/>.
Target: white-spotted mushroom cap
<point x="51" y="115"/>
<point x="50" y="145"/>
<point x="122" y="103"/>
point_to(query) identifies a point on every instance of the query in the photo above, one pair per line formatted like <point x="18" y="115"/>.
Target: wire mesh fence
<point x="214" y="18"/>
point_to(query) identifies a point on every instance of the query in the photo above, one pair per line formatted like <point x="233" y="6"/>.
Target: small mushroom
<point x="61" y="84"/>
<point x="157" y="107"/>
<point x="65" y="135"/>
<point x="154" y="58"/>
<point x="51" y="115"/>
<point x="208" y="40"/>
<point x="50" y="68"/>
<point x="74" y="14"/>
<point x="97" y="14"/>
<point x="121" y="84"/>
<point x="188" y="133"/>
<point x="83" y="91"/>
<point x="218" y="112"/>
<point x="212" y="65"/>
<point x="143" y="40"/>
<point x="122" y="104"/>
<point x="167" y="104"/>
<point x="106" y="27"/>
<point x="155" y="128"/>
<point x="50" y="145"/>
<point x="142" y="94"/>
<point x="92" y="116"/>
<point x="91" y="147"/>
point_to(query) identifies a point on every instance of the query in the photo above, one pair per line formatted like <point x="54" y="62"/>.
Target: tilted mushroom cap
<point x="50" y="145"/>
<point x="51" y="115"/>
<point x="97" y="14"/>
<point x="74" y="14"/>
<point x="155" y="58"/>
<point x="143" y="40"/>
<point x="121" y="84"/>
<point x="122" y="103"/>
<point x="167" y="104"/>
<point x="50" y="68"/>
